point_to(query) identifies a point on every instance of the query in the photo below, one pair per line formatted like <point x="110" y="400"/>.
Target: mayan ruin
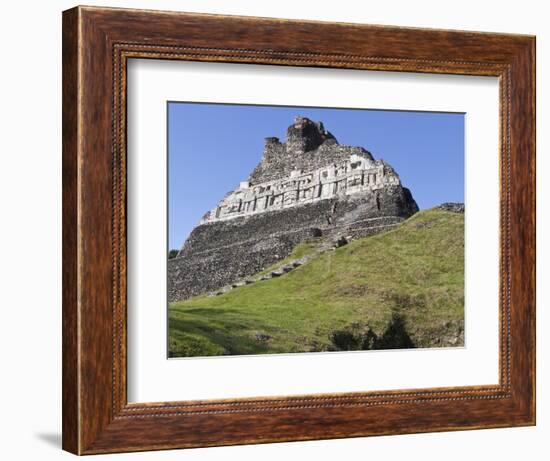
<point x="308" y="186"/>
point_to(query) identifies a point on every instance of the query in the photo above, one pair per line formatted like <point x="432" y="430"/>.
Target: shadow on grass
<point x="206" y="332"/>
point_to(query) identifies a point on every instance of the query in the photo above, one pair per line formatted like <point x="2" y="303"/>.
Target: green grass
<point x="414" y="272"/>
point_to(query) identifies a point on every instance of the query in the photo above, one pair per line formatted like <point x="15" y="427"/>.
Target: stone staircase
<point x="287" y="267"/>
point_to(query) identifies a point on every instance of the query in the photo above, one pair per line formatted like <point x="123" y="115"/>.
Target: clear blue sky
<point x="212" y="147"/>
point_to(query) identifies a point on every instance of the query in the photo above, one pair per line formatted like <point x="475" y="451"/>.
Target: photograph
<point x="310" y="229"/>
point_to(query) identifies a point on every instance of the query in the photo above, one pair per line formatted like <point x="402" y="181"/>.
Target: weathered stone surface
<point x="310" y="167"/>
<point x="308" y="187"/>
<point x="453" y="207"/>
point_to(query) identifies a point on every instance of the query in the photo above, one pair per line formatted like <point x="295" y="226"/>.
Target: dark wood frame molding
<point x="97" y="43"/>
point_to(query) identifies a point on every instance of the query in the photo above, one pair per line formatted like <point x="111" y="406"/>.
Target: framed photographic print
<point x="284" y="230"/>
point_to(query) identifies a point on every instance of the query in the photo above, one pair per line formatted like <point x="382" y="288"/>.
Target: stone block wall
<point x="220" y="253"/>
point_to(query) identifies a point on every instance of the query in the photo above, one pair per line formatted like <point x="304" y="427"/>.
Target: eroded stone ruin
<point x="309" y="186"/>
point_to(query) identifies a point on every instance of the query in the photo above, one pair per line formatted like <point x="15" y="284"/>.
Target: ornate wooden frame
<point x="97" y="43"/>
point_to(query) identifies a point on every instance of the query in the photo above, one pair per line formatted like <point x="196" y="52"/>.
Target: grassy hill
<point x="402" y="288"/>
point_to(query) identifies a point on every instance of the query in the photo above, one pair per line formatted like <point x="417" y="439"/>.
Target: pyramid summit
<point x="309" y="186"/>
<point x="307" y="146"/>
<point x="310" y="166"/>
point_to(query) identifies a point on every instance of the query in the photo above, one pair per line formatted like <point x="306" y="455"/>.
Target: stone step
<point x="285" y="269"/>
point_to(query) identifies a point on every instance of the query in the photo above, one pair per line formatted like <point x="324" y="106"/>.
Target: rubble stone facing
<point x="453" y="207"/>
<point x="308" y="187"/>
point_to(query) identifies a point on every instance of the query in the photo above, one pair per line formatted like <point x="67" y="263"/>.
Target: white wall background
<point x="30" y="230"/>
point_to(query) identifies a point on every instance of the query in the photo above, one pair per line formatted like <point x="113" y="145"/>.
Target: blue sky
<point x="212" y="147"/>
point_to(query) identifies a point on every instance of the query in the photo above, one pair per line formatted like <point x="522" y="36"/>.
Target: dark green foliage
<point x="356" y="337"/>
<point x="361" y="337"/>
<point x="395" y="336"/>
